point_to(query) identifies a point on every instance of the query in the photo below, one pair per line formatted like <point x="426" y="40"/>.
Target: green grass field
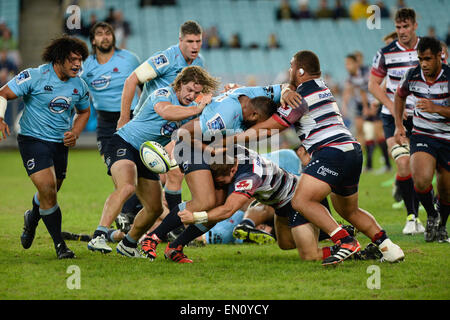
<point x="219" y="272"/>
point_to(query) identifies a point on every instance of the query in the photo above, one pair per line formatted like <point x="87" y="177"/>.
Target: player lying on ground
<point x="249" y="175"/>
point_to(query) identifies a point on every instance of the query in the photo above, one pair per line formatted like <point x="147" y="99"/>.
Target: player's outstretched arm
<point x="234" y="202"/>
<point x="5" y="95"/>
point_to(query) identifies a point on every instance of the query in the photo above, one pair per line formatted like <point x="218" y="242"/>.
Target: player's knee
<point x="127" y="190"/>
<point x="206" y="202"/>
<point x="421" y="183"/>
<point x="308" y="255"/>
<point x="285" y="245"/>
<point x="47" y="193"/>
<point x="297" y="204"/>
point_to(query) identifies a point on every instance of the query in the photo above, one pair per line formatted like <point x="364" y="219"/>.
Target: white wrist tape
<point x="201" y="217"/>
<point x="3" y="104"/>
<point x="145" y="72"/>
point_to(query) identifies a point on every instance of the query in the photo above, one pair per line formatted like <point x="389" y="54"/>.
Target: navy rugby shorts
<point x="118" y="149"/>
<point x="40" y="154"/>
<point x="340" y="169"/>
<point x="439" y="149"/>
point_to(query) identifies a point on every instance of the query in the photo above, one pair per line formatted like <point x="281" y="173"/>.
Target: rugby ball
<point x="155" y="157"/>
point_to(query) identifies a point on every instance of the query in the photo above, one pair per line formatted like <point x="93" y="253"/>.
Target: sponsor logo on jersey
<point x="244" y="185"/>
<point x="59" y="104"/>
<point x="102" y="83"/>
<point x="116" y="69"/>
<point x="285" y="111"/>
<point x="325" y="95"/>
<point x="48" y="88"/>
<point x="160" y="61"/>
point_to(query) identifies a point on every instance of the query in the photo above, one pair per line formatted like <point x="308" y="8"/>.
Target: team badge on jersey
<point x="162" y="93"/>
<point x="160" y="61"/>
<point x="23" y="77"/>
<point x="216" y="123"/>
<point x="244" y="185"/>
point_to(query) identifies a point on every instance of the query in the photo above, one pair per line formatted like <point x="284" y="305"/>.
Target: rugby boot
<point x="176" y="254"/>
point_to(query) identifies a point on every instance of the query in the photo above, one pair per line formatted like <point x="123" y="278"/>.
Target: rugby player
<point x="335" y="165"/>
<point x="159" y="71"/>
<point x="233" y="110"/>
<point x="105" y="72"/>
<point x="392" y="62"/>
<point x="250" y="175"/>
<point x="365" y="116"/>
<point x="428" y="83"/>
<point x="173" y="103"/>
<point x="52" y="93"/>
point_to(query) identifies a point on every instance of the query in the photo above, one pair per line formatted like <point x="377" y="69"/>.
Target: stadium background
<point x="155" y="27"/>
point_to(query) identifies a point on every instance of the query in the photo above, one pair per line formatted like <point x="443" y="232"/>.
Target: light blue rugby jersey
<point x="105" y="81"/>
<point x="149" y="125"/>
<point x="225" y="111"/>
<point x="49" y="102"/>
<point x="167" y="65"/>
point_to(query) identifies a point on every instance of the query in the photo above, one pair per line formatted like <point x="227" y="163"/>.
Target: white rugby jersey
<point x="262" y="179"/>
<point x="318" y="122"/>
<point x="361" y="81"/>
<point x="394" y="61"/>
<point x="414" y="84"/>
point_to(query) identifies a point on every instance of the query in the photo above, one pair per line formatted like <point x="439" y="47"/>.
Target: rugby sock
<point x="129" y="241"/>
<point x="370" y="146"/>
<point x="248" y="222"/>
<point x="426" y="198"/>
<point x="323" y="235"/>
<point x="326" y="252"/>
<point x="101" y="230"/>
<point x="384" y="150"/>
<point x="170" y="222"/>
<point x="35" y="215"/>
<point x="444" y="210"/>
<point x="191" y="232"/>
<point x="173" y="198"/>
<point x="132" y="205"/>
<point x="340" y="235"/>
<point x="52" y="219"/>
<point x="110" y="235"/>
<point x="379" y="237"/>
<point x="324" y="202"/>
<point x="406" y="189"/>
